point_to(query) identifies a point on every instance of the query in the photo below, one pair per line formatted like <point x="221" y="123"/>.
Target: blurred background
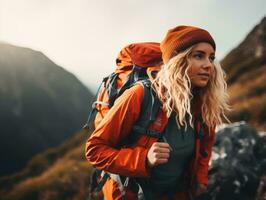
<point x="53" y="56"/>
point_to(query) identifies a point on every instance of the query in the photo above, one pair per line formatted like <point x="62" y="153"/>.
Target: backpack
<point x="136" y="64"/>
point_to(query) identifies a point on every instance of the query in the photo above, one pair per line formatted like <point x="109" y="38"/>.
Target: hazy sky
<point x="85" y="36"/>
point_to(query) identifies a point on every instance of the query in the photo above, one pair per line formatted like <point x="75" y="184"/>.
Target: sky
<point x="85" y="36"/>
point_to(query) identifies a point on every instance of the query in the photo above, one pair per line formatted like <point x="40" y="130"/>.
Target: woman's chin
<point x="200" y="84"/>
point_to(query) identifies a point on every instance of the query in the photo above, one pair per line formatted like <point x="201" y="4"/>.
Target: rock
<point x="238" y="164"/>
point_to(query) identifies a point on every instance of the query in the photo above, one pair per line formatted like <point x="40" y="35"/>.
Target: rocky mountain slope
<point x="245" y="66"/>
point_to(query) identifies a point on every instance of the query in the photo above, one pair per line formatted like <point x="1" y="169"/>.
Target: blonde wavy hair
<point x="173" y="88"/>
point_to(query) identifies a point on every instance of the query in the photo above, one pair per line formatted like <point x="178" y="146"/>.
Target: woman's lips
<point x="204" y="75"/>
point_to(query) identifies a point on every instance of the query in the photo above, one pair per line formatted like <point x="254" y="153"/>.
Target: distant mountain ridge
<point x="245" y="66"/>
<point x="252" y="48"/>
<point x="41" y="105"/>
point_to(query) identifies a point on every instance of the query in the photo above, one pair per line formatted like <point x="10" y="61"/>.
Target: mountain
<point x="245" y="67"/>
<point x="41" y="105"/>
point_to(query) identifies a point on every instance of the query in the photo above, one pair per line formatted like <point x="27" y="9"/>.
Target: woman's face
<point x="201" y="64"/>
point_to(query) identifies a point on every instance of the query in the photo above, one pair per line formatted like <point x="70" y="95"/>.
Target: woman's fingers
<point x="161" y="155"/>
<point x="158" y="153"/>
<point x="161" y="150"/>
<point x="161" y="144"/>
<point x="161" y="161"/>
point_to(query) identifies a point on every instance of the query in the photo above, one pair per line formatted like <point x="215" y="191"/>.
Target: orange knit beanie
<point x="180" y="38"/>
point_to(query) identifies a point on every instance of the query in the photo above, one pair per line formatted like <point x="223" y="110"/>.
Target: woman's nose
<point x="207" y="64"/>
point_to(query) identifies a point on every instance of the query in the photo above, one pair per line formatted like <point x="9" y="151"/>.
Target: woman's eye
<point x="212" y="58"/>
<point x="198" y="56"/>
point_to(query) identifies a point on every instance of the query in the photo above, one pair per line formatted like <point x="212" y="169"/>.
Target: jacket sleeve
<point x="203" y="162"/>
<point x="101" y="148"/>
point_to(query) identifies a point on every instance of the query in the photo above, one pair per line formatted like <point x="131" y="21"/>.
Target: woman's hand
<point x="158" y="153"/>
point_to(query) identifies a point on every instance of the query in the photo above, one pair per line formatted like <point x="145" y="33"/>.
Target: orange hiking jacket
<point x="131" y="161"/>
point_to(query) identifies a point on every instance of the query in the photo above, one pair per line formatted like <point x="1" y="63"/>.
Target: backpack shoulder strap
<point x="150" y="107"/>
<point x="150" y="104"/>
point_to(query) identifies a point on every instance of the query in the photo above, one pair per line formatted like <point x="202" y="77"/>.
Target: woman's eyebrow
<point x="203" y="52"/>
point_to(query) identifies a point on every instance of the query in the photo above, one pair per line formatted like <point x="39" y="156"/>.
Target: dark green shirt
<point x="170" y="176"/>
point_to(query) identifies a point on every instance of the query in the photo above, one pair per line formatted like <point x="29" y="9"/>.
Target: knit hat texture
<point x="180" y="38"/>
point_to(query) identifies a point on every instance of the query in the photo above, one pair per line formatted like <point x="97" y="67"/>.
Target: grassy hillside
<point x="58" y="173"/>
<point x="246" y="77"/>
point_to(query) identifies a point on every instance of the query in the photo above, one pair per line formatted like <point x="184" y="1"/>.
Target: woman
<point x="191" y="88"/>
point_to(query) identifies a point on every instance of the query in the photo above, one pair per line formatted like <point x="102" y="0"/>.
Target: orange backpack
<point x="136" y="62"/>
